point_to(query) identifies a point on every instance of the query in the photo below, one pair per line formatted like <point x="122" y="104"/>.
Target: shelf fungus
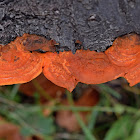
<point x="22" y="60"/>
<point x="18" y="65"/>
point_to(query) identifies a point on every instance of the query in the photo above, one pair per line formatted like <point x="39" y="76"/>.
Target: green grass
<point x="115" y="117"/>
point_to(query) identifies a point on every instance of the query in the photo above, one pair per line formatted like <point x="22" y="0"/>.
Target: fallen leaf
<point x="67" y="119"/>
<point x="9" y="131"/>
<point x="50" y="88"/>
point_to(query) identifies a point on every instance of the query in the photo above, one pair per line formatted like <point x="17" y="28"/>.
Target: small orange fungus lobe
<point x="125" y="53"/>
<point x="18" y="65"/>
<point x="36" y="43"/>
<point x="91" y="67"/>
<point x="56" y="70"/>
<point x="125" y="50"/>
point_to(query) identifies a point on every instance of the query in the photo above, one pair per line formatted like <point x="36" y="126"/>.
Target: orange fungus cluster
<point x="21" y="62"/>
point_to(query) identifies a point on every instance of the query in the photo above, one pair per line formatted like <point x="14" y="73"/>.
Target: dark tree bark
<point x="96" y="23"/>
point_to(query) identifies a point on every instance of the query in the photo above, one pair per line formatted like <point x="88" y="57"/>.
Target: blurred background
<point x="40" y="110"/>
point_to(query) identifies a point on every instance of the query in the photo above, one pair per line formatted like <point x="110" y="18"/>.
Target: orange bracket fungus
<point x="21" y="61"/>
<point x="18" y="65"/>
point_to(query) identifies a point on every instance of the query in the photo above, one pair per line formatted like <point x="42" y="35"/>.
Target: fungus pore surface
<point x="22" y="60"/>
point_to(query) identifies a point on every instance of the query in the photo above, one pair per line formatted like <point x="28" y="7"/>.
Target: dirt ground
<point x="96" y="23"/>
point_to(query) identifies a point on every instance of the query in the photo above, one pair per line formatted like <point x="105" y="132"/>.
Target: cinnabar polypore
<point x="20" y="63"/>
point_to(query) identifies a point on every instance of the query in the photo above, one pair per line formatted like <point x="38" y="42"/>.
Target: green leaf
<point x="92" y="120"/>
<point x="39" y="123"/>
<point x="119" y="108"/>
<point x="136" y="132"/>
<point x="120" y="130"/>
<point x="25" y="131"/>
<point x="110" y="90"/>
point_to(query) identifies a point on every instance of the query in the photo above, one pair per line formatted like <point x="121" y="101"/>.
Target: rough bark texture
<point x="96" y="23"/>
